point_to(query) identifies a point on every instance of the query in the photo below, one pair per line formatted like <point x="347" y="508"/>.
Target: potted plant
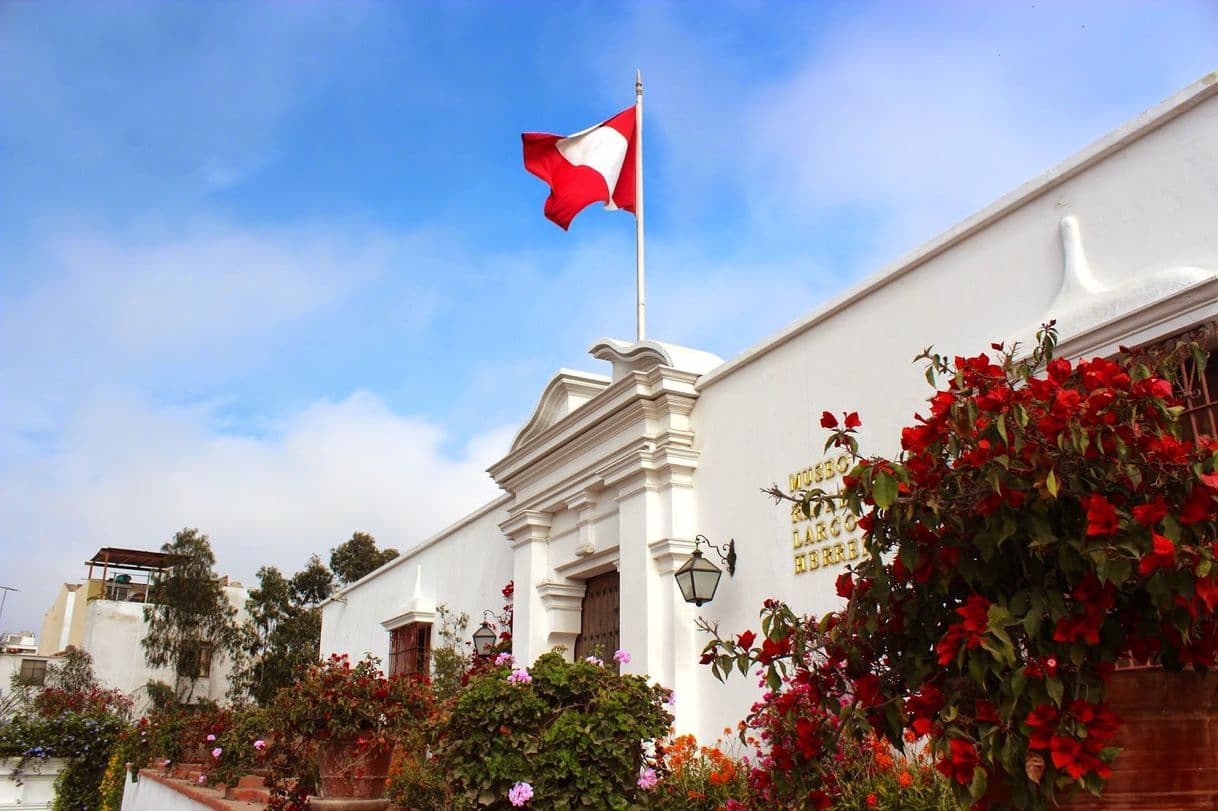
<point x="1045" y="526"/>
<point x="355" y="713"/>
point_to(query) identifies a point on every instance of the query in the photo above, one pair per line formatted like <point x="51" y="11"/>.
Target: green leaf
<point x="1054" y="686"/>
<point x="1119" y="570"/>
<point x="884" y="489"/>
<point x="1051" y="483"/>
<point x="977" y="788"/>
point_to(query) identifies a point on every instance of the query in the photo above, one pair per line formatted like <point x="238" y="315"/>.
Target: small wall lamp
<point x="484" y="637"/>
<point x="698" y="578"/>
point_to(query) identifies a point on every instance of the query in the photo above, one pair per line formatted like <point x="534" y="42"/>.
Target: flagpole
<point x="638" y="202"/>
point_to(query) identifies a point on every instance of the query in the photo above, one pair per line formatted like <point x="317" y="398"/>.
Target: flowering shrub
<point x="240" y="747"/>
<point x="83" y="740"/>
<point x="693" y="778"/>
<point x="333" y="699"/>
<point x="573" y="732"/>
<point x="1044" y="522"/>
<point x="873" y="775"/>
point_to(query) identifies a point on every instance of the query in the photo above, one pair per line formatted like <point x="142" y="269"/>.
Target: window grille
<point x="33" y="672"/>
<point x="410" y="650"/>
<point x="1196" y="385"/>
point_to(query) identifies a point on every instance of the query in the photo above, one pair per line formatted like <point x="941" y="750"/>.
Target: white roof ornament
<point x="1090" y="312"/>
<point x="417" y="609"/>
<point x="643" y="355"/>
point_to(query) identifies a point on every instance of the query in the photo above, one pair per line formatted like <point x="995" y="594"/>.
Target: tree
<point x="190" y="617"/>
<point x="284" y="628"/>
<point x="357" y="557"/>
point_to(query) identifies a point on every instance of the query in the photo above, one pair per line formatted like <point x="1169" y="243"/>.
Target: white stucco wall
<point x="1145" y="207"/>
<point x="37" y="787"/>
<point x="464" y="567"/>
<point x="147" y="794"/>
<point x="113" y="633"/>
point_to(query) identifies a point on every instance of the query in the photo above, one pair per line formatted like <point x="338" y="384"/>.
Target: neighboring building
<point x="18" y="642"/>
<point x="611" y="479"/>
<point x="104" y="615"/>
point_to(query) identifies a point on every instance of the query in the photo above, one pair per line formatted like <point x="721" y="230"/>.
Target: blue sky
<point x="275" y="270"/>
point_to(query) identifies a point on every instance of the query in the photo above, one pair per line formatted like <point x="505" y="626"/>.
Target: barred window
<point x="33" y="672"/>
<point x="410" y="649"/>
<point x="1196" y="384"/>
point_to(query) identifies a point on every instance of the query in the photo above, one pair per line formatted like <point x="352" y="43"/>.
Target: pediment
<point x="565" y="392"/>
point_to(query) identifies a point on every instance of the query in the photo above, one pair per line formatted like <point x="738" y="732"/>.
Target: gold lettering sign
<point x="833" y="538"/>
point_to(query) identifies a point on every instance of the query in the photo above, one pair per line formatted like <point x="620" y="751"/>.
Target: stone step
<point x="249" y="795"/>
<point x="180" y="771"/>
<point x="251" y="781"/>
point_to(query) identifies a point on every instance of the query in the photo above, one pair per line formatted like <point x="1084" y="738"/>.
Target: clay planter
<point x="349" y="770"/>
<point x="1169" y="741"/>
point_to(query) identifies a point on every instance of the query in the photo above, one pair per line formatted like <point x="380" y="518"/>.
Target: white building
<point x="616" y="472"/>
<point x="104" y="615"/>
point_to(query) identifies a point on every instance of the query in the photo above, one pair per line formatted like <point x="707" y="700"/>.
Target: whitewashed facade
<point x="618" y="471"/>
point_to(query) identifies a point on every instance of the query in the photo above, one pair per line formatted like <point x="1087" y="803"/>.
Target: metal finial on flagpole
<point x="638" y="201"/>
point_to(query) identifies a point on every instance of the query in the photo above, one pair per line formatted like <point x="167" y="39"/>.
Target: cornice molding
<point x="670" y="554"/>
<point x="527" y="526"/>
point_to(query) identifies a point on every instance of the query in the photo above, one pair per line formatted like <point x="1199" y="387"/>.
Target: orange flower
<point x="905" y="779"/>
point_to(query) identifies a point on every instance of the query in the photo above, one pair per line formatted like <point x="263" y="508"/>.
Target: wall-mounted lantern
<point x="484" y="637"/>
<point x="698" y="577"/>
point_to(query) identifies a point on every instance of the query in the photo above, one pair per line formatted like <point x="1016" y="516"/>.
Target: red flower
<point x="1101" y="516"/>
<point x="771" y="650"/>
<point x="986" y="711"/>
<point x="1043" y="721"/>
<point x="745" y="640"/>
<point x="845" y="585"/>
<point x="852" y="420"/>
<point x="827" y="420"/>
<point x="1066" y="753"/>
<point x="872" y="800"/>
<point x="1197" y="507"/>
<point x="960" y="762"/>
<point x="1149" y="515"/>
<point x="1161" y="556"/>
<point x="1059" y="370"/>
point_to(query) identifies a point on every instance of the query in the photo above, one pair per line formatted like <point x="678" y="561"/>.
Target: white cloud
<point x="903" y="118"/>
<point x="194" y="303"/>
<point x="130" y="474"/>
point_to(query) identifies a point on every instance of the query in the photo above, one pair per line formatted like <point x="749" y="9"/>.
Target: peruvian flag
<point x="596" y="165"/>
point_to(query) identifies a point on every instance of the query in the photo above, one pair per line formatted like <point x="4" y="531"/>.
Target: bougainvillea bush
<point x="1044" y="522"/>
<point x="334" y="699"/>
<point x="555" y="735"/>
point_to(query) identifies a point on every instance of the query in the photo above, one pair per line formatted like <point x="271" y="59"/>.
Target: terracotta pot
<point x="1169" y="741"/>
<point x="349" y="770"/>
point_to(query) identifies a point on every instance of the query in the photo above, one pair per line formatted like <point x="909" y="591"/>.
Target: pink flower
<point x="504" y="659"/>
<point x="260" y="744"/>
<point x="202" y="779"/>
<point x="217" y="752"/>
<point x="520" y="794"/>
<point x="593" y="660"/>
<point x="648" y="779"/>
<point x="672" y="698"/>
<point x="621" y="656"/>
<point x="165" y="763"/>
<point x="520" y="676"/>
<point x="211" y="738"/>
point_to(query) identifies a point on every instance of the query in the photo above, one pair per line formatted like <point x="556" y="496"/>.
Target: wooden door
<point x="598" y="626"/>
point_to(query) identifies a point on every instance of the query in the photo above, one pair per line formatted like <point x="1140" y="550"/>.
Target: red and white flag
<point x="596" y="165"/>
